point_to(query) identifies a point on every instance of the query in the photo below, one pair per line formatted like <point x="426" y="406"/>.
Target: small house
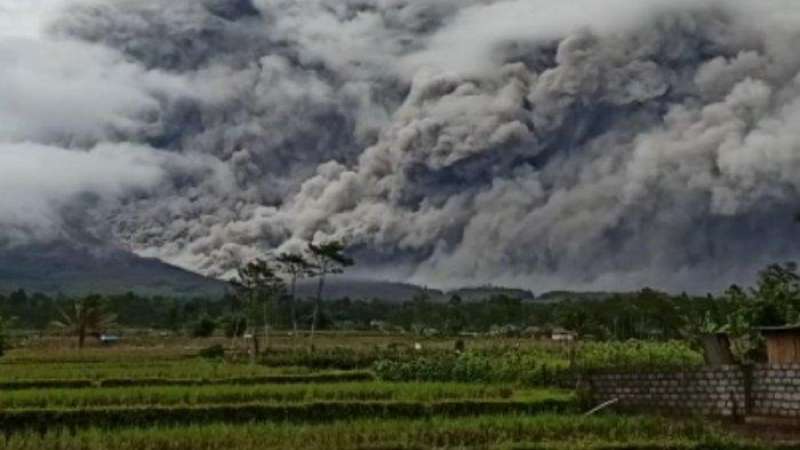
<point x="783" y="344"/>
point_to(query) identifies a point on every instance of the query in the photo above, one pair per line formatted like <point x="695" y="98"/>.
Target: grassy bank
<point x="491" y="431"/>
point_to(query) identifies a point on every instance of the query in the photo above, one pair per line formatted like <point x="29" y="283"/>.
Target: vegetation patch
<point x="332" y="377"/>
<point x="544" y="431"/>
<point x="229" y="394"/>
<point x="112" y="417"/>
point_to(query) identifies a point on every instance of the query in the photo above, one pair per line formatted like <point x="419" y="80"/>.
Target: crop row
<point x="43" y="420"/>
<point x="534" y="368"/>
<point x="292" y="393"/>
<point x="186" y="368"/>
<point x="331" y="377"/>
<point x="547" y="431"/>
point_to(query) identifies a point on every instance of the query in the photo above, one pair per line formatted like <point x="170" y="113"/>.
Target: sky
<point x="592" y="144"/>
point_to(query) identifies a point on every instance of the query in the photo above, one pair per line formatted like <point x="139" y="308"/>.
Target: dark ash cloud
<point x="595" y="144"/>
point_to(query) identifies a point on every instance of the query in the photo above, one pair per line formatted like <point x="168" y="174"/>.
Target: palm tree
<point x="326" y="259"/>
<point x="85" y="316"/>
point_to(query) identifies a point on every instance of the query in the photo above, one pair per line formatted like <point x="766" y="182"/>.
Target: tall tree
<point x="258" y="285"/>
<point x="295" y="266"/>
<point x="85" y="316"/>
<point x="325" y="259"/>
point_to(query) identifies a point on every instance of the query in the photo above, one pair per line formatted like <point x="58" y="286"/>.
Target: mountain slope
<point x="75" y="270"/>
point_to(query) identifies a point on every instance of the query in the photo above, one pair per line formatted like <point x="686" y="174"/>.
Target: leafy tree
<point x="777" y="295"/>
<point x="325" y="259"/>
<point x="295" y="266"/>
<point x="85" y="316"/>
<point x="258" y="286"/>
<point x="775" y="300"/>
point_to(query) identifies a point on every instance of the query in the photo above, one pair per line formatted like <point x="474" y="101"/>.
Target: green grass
<point x="195" y="395"/>
<point x="311" y="378"/>
<point x="310" y="412"/>
<point x="186" y="368"/>
<point x="487" y="432"/>
<point x="155" y="394"/>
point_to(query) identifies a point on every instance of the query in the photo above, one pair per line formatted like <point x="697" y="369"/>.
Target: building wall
<point x="762" y="390"/>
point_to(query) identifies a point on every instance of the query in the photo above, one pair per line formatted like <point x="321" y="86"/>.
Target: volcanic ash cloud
<point x="594" y="144"/>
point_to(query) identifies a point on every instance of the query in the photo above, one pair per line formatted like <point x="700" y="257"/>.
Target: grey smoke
<point x="604" y="144"/>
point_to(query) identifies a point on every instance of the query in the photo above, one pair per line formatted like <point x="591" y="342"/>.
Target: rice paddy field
<point x="352" y="392"/>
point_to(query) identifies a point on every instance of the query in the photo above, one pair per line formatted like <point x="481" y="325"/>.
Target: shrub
<point x="204" y="327"/>
<point x="216" y="351"/>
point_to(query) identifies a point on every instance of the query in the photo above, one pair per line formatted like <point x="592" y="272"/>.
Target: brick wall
<point x="761" y="390"/>
<point x="775" y="390"/>
<point x="713" y="391"/>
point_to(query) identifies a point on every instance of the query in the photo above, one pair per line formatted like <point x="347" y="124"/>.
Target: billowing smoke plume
<point x="604" y="144"/>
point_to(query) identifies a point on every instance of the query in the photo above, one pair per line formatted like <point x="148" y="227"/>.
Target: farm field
<point x="380" y="392"/>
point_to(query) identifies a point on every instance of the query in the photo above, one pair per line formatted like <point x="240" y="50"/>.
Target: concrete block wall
<point x="775" y="390"/>
<point x="719" y="391"/>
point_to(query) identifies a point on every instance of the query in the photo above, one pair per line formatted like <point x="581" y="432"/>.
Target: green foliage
<point x="490" y="432"/>
<point x="475" y="367"/>
<point x="633" y="355"/>
<point x="112" y="417"/>
<point x="537" y="368"/>
<point x="643" y="315"/>
<point x="339" y="358"/>
<point x="775" y="300"/>
<point x="214" y="352"/>
<point x="85" y="316"/>
<point x="171" y="395"/>
<point x="204" y="327"/>
<point x="258" y="287"/>
<point x="329" y="377"/>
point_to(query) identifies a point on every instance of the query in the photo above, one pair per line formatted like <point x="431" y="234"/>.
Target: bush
<point x="214" y="352"/>
<point x="204" y="327"/>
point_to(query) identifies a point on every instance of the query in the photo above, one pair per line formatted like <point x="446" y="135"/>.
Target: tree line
<point x="263" y="301"/>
